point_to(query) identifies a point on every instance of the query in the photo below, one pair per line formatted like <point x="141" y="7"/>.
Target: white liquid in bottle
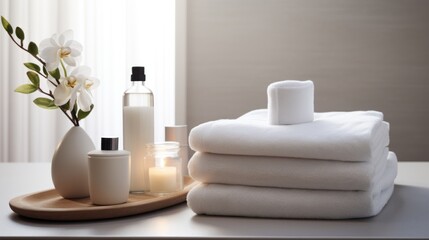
<point x="137" y="121"/>
<point x="138" y="127"/>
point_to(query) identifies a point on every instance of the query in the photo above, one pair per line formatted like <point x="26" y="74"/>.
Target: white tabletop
<point x="405" y="216"/>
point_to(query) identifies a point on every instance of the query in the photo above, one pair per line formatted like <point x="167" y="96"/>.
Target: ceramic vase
<point x="69" y="168"/>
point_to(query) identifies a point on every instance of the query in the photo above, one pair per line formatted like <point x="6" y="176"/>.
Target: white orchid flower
<point x="67" y="91"/>
<point x="85" y="96"/>
<point x="60" y="46"/>
<point x="69" y="86"/>
<point x="77" y="86"/>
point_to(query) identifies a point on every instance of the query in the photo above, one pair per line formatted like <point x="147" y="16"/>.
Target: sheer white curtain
<point x="116" y="35"/>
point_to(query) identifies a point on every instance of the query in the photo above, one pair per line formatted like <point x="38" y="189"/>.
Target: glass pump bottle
<point x="138" y="127"/>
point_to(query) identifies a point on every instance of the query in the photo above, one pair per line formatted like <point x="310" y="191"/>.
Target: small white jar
<point x="109" y="173"/>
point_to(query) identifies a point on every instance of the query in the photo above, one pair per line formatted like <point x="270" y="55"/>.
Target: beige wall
<point x="361" y="54"/>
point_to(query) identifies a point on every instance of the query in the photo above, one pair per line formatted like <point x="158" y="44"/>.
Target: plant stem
<point x="76" y="121"/>
<point x="63" y="67"/>
<point x="47" y="94"/>
<point x="53" y="83"/>
<point x="47" y="78"/>
<point x="38" y="58"/>
<point x="68" y="116"/>
<point x="43" y="75"/>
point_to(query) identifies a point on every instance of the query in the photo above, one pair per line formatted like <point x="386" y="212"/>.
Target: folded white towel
<point x="235" y="200"/>
<point x="290" y="102"/>
<point x="287" y="172"/>
<point x="346" y="136"/>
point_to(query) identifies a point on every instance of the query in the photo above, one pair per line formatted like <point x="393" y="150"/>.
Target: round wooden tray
<point x="48" y="205"/>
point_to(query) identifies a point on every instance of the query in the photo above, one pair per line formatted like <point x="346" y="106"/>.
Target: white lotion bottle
<point x="109" y="173"/>
<point x="138" y="127"/>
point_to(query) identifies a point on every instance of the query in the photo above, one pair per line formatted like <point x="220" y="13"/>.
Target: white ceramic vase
<point x="70" y="164"/>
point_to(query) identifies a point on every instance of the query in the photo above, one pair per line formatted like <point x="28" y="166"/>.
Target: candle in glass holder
<point x="164" y="168"/>
<point x="162" y="179"/>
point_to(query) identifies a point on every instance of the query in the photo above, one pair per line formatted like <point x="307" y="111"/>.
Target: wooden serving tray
<point x="49" y="205"/>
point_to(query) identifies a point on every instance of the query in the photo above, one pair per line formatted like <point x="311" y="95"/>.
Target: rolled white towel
<point x="287" y="172"/>
<point x="345" y="136"/>
<point x="246" y="201"/>
<point x="290" y="102"/>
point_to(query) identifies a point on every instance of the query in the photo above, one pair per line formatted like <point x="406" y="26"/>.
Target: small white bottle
<point x="109" y="173"/>
<point x="138" y="127"/>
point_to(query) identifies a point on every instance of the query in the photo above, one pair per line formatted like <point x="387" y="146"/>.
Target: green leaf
<point x="33" y="49"/>
<point x="66" y="106"/>
<point x="6" y="25"/>
<point x="26" y="88"/>
<point x="74" y="110"/>
<point x="55" y="74"/>
<point x="81" y="114"/>
<point x="32" y="66"/>
<point x="45" y="103"/>
<point x="45" y="71"/>
<point x="19" y="33"/>
<point x="34" y="78"/>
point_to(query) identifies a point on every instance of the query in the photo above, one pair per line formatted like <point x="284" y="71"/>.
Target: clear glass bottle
<point x="164" y="168"/>
<point x="138" y="127"/>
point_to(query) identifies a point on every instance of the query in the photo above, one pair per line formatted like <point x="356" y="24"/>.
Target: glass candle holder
<point x="164" y="168"/>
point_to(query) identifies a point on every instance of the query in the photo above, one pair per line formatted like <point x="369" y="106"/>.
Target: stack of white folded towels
<point x="335" y="167"/>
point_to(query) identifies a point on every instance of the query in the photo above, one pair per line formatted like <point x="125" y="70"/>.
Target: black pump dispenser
<point x="138" y="74"/>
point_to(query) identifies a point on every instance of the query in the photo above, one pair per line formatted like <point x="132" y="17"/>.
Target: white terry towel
<point x="246" y="201"/>
<point x="287" y="172"/>
<point x="346" y="136"/>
